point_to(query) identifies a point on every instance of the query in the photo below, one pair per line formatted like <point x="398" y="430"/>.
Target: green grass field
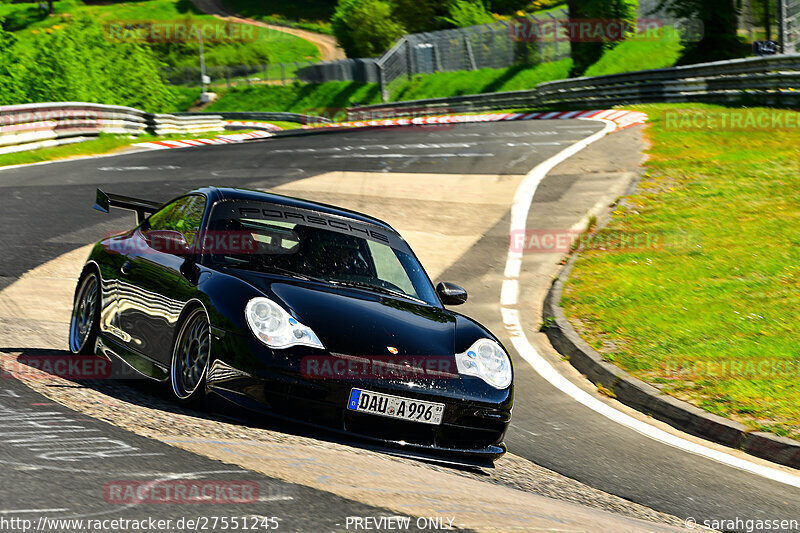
<point x="261" y="45"/>
<point x="711" y="316"/>
<point x="318" y="99"/>
<point x="639" y="53"/>
<point x="313" y="15"/>
<point x="636" y="54"/>
<point x="186" y="96"/>
<point x="105" y="144"/>
<point x="480" y="81"/>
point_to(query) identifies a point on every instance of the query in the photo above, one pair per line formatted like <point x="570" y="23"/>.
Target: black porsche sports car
<point x="298" y="310"/>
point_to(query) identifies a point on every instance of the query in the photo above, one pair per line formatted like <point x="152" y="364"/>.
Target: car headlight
<point x="487" y="360"/>
<point x="276" y="328"/>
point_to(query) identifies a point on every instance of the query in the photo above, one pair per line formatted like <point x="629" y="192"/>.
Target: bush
<point x="76" y="62"/>
<point x="464" y="13"/>
<point x="584" y="54"/>
<point x="364" y="28"/>
<point x="420" y="15"/>
<point x="10" y="71"/>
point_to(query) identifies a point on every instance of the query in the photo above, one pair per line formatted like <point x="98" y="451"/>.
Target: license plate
<point x="365" y="401"/>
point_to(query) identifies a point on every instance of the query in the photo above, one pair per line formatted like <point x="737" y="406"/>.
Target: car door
<point x="154" y="286"/>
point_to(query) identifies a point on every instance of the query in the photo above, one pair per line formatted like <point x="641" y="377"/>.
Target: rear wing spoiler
<point x="143" y="208"/>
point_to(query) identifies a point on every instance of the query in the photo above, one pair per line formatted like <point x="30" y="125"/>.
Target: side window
<point x="184" y="215"/>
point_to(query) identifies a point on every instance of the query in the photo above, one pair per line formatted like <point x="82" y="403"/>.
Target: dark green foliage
<point x="289" y="9"/>
<point x="76" y="62"/>
<point x="10" y="71"/>
<point x="463" y="13"/>
<point x="585" y="54"/>
<point x="364" y="28"/>
<point x="421" y="15"/>
<point x="508" y="7"/>
<point x="719" y="18"/>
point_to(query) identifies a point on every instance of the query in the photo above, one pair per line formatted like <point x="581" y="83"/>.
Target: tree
<point x="464" y="13"/>
<point x="364" y="28"/>
<point x="508" y="7"/>
<point x="585" y="53"/>
<point x="720" y="27"/>
<point x="421" y="15"/>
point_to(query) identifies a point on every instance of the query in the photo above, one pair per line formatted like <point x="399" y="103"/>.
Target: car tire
<point x="84" y="326"/>
<point x="191" y="353"/>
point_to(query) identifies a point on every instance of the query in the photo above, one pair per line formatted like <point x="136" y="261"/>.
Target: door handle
<point x="126" y="268"/>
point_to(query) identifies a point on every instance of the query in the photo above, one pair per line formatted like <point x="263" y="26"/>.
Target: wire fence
<point x="524" y="41"/>
<point x="791" y="26"/>
<point x="497" y="45"/>
<point x="235" y="75"/>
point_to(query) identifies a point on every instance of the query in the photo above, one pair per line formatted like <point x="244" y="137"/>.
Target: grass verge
<point x="104" y="144"/>
<point x="325" y="99"/>
<point x="258" y="45"/>
<point x="312" y="15"/>
<point x="332" y="98"/>
<point x="710" y="315"/>
<point x="480" y="81"/>
<point x="640" y="52"/>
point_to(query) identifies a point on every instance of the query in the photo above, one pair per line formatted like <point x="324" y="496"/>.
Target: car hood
<point x="356" y="322"/>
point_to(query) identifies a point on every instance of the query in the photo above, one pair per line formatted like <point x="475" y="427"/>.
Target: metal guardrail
<point x="179" y="125"/>
<point x="773" y="80"/>
<point x="33" y="126"/>
<point x="258" y="115"/>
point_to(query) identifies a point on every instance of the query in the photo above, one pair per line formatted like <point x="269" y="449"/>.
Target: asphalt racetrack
<point x="46" y="213"/>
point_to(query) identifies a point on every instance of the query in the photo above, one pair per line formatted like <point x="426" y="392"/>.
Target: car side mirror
<point x="451" y="294"/>
<point x="168" y="242"/>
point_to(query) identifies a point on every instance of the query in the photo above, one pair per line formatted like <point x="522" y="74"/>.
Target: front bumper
<point x="473" y="425"/>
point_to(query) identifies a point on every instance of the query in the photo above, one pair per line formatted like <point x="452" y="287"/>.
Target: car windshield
<point x="315" y="246"/>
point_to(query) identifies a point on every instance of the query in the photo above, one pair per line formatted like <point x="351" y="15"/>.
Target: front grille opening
<point x="462" y="438"/>
<point x="389" y="429"/>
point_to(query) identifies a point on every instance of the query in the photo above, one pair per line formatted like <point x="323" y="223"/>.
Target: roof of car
<point x="232" y="193"/>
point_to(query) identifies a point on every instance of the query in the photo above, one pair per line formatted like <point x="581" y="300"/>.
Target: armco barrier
<point x="178" y="125"/>
<point x="33" y="126"/>
<point x="773" y="80"/>
<point x="259" y="115"/>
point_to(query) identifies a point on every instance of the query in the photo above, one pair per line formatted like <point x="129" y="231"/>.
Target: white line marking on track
<point x="275" y="498"/>
<point x="513" y="324"/>
<point x="402" y="156"/>
<point x="27" y="511"/>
